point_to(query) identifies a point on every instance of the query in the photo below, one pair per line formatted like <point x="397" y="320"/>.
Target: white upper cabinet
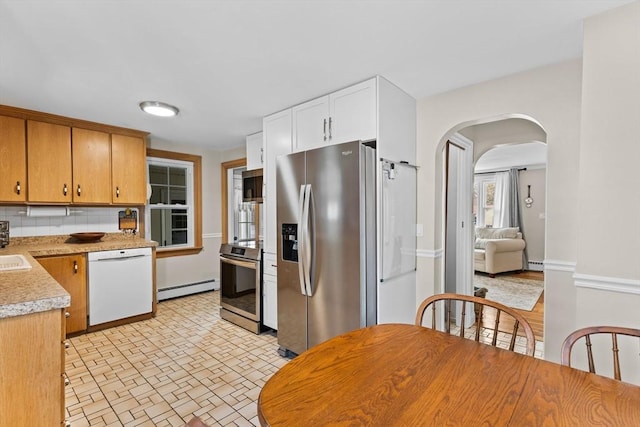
<point x="310" y="124"/>
<point x="346" y="115"/>
<point x="255" y="152"/>
<point x="353" y="113"/>
<point x="276" y="130"/>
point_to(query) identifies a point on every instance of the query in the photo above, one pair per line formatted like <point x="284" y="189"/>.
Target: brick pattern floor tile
<point x="186" y="361"/>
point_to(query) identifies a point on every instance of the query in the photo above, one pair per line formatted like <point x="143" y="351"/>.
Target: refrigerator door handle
<point x="309" y="246"/>
<point x="301" y="241"/>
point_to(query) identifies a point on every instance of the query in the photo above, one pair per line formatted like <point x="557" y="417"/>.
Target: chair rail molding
<point x="211" y="235"/>
<point x="429" y="253"/>
<point x="613" y="284"/>
<point x="557" y="265"/>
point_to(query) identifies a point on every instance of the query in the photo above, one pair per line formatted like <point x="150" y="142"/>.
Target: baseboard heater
<point x="536" y="265"/>
<point x="188" y="289"/>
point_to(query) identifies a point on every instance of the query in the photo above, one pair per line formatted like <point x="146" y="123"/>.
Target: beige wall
<point x="533" y="218"/>
<point x="608" y="264"/>
<point x="204" y="266"/>
<point x="592" y="199"/>
<point x="551" y="97"/>
<point x="609" y="192"/>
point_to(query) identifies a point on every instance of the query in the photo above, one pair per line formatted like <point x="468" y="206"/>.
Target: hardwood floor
<point x="535" y="317"/>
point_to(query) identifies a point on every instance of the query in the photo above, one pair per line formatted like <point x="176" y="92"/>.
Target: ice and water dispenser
<point x="290" y="242"/>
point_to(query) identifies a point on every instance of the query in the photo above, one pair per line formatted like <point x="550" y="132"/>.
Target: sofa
<point x="497" y="250"/>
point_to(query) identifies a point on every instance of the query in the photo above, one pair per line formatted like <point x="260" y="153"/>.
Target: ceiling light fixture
<point x="158" y="108"/>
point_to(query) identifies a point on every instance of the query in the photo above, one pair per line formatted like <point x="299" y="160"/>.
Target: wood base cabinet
<point x="71" y="272"/>
<point x="32" y="369"/>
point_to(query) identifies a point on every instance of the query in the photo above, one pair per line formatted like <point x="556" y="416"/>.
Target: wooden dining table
<point x="407" y="375"/>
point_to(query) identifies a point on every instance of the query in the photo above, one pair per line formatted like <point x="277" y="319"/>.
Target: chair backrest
<point x="587" y="333"/>
<point x="514" y="320"/>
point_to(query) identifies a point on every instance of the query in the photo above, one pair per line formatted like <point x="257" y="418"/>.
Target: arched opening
<point x="471" y="157"/>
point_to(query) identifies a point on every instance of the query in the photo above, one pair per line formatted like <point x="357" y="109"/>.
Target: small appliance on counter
<point x="4" y="233"/>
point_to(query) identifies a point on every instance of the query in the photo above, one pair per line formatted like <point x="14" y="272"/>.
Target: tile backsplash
<point x="81" y="218"/>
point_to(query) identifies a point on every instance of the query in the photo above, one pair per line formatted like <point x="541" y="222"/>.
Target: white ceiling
<point x="529" y="154"/>
<point x="227" y="63"/>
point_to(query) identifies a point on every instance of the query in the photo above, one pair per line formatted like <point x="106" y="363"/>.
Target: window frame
<point x="162" y="252"/>
<point x="481" y="181"/>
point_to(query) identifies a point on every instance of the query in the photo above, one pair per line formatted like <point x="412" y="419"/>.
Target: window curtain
<point x="501" y="205"/>
<point x="506" y="208"/>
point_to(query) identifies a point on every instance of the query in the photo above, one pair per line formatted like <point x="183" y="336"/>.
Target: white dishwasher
<point x="120" y="284"/>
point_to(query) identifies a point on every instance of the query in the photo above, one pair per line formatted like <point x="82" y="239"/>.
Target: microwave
<point x="252" y="186"/>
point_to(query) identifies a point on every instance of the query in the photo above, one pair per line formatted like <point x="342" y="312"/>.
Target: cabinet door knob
<point x="18" y="188"/>
<point x="64" y="189"/>
<point x="117" y="191"/>
<point x="67" y="314"/>
<point x="67" y="344"/>
<point x="75" y="267"/>
<point x="79" y="190"/>
<point x="330" y="128"/>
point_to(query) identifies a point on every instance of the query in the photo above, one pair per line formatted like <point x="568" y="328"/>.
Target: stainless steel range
<point x="241" y="284"/>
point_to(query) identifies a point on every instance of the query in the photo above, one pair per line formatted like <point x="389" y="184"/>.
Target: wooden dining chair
<point x="512" y="321"/>
<point x="587" y="333"/>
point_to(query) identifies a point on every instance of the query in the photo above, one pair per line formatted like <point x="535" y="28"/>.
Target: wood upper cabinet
<point x="91" y="153"/>
<point x="49" y="162"/>
<point x="128" y="170"/>
<point x="13" y="160"/>
<point x="71" y="272"/>
<point x="50" y="159"/>
<point x="31" y="369"/>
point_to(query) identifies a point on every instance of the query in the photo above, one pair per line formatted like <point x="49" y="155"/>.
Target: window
<point x="484" y="189"/>
<point x="173" y="214"/>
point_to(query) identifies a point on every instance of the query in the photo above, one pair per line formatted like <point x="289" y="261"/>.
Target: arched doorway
<point x="503" y="142"/>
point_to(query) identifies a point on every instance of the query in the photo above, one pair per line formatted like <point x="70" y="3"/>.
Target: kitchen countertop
<point x="34" y="290"/>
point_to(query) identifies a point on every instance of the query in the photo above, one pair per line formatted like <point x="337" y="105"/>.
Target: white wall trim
<point x="188" y="289"/>
<point x="556" y="265"/>
<point x="429" y="253"/>
<point x="614" y="284"/>
<point x="211" y="235"/>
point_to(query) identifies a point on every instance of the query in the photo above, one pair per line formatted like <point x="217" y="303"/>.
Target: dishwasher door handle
<point x="124" y="258"/>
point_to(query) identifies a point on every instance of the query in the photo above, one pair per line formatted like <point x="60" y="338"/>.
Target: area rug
<point x="511" y="291"/>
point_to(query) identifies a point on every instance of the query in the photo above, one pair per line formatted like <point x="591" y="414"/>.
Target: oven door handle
<point x="247" y="264"/>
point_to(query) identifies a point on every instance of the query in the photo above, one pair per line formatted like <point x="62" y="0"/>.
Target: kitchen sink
<point x="13" y="262"/>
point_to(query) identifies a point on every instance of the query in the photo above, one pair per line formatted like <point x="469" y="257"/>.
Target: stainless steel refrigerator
<point x="326" y="218"/>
